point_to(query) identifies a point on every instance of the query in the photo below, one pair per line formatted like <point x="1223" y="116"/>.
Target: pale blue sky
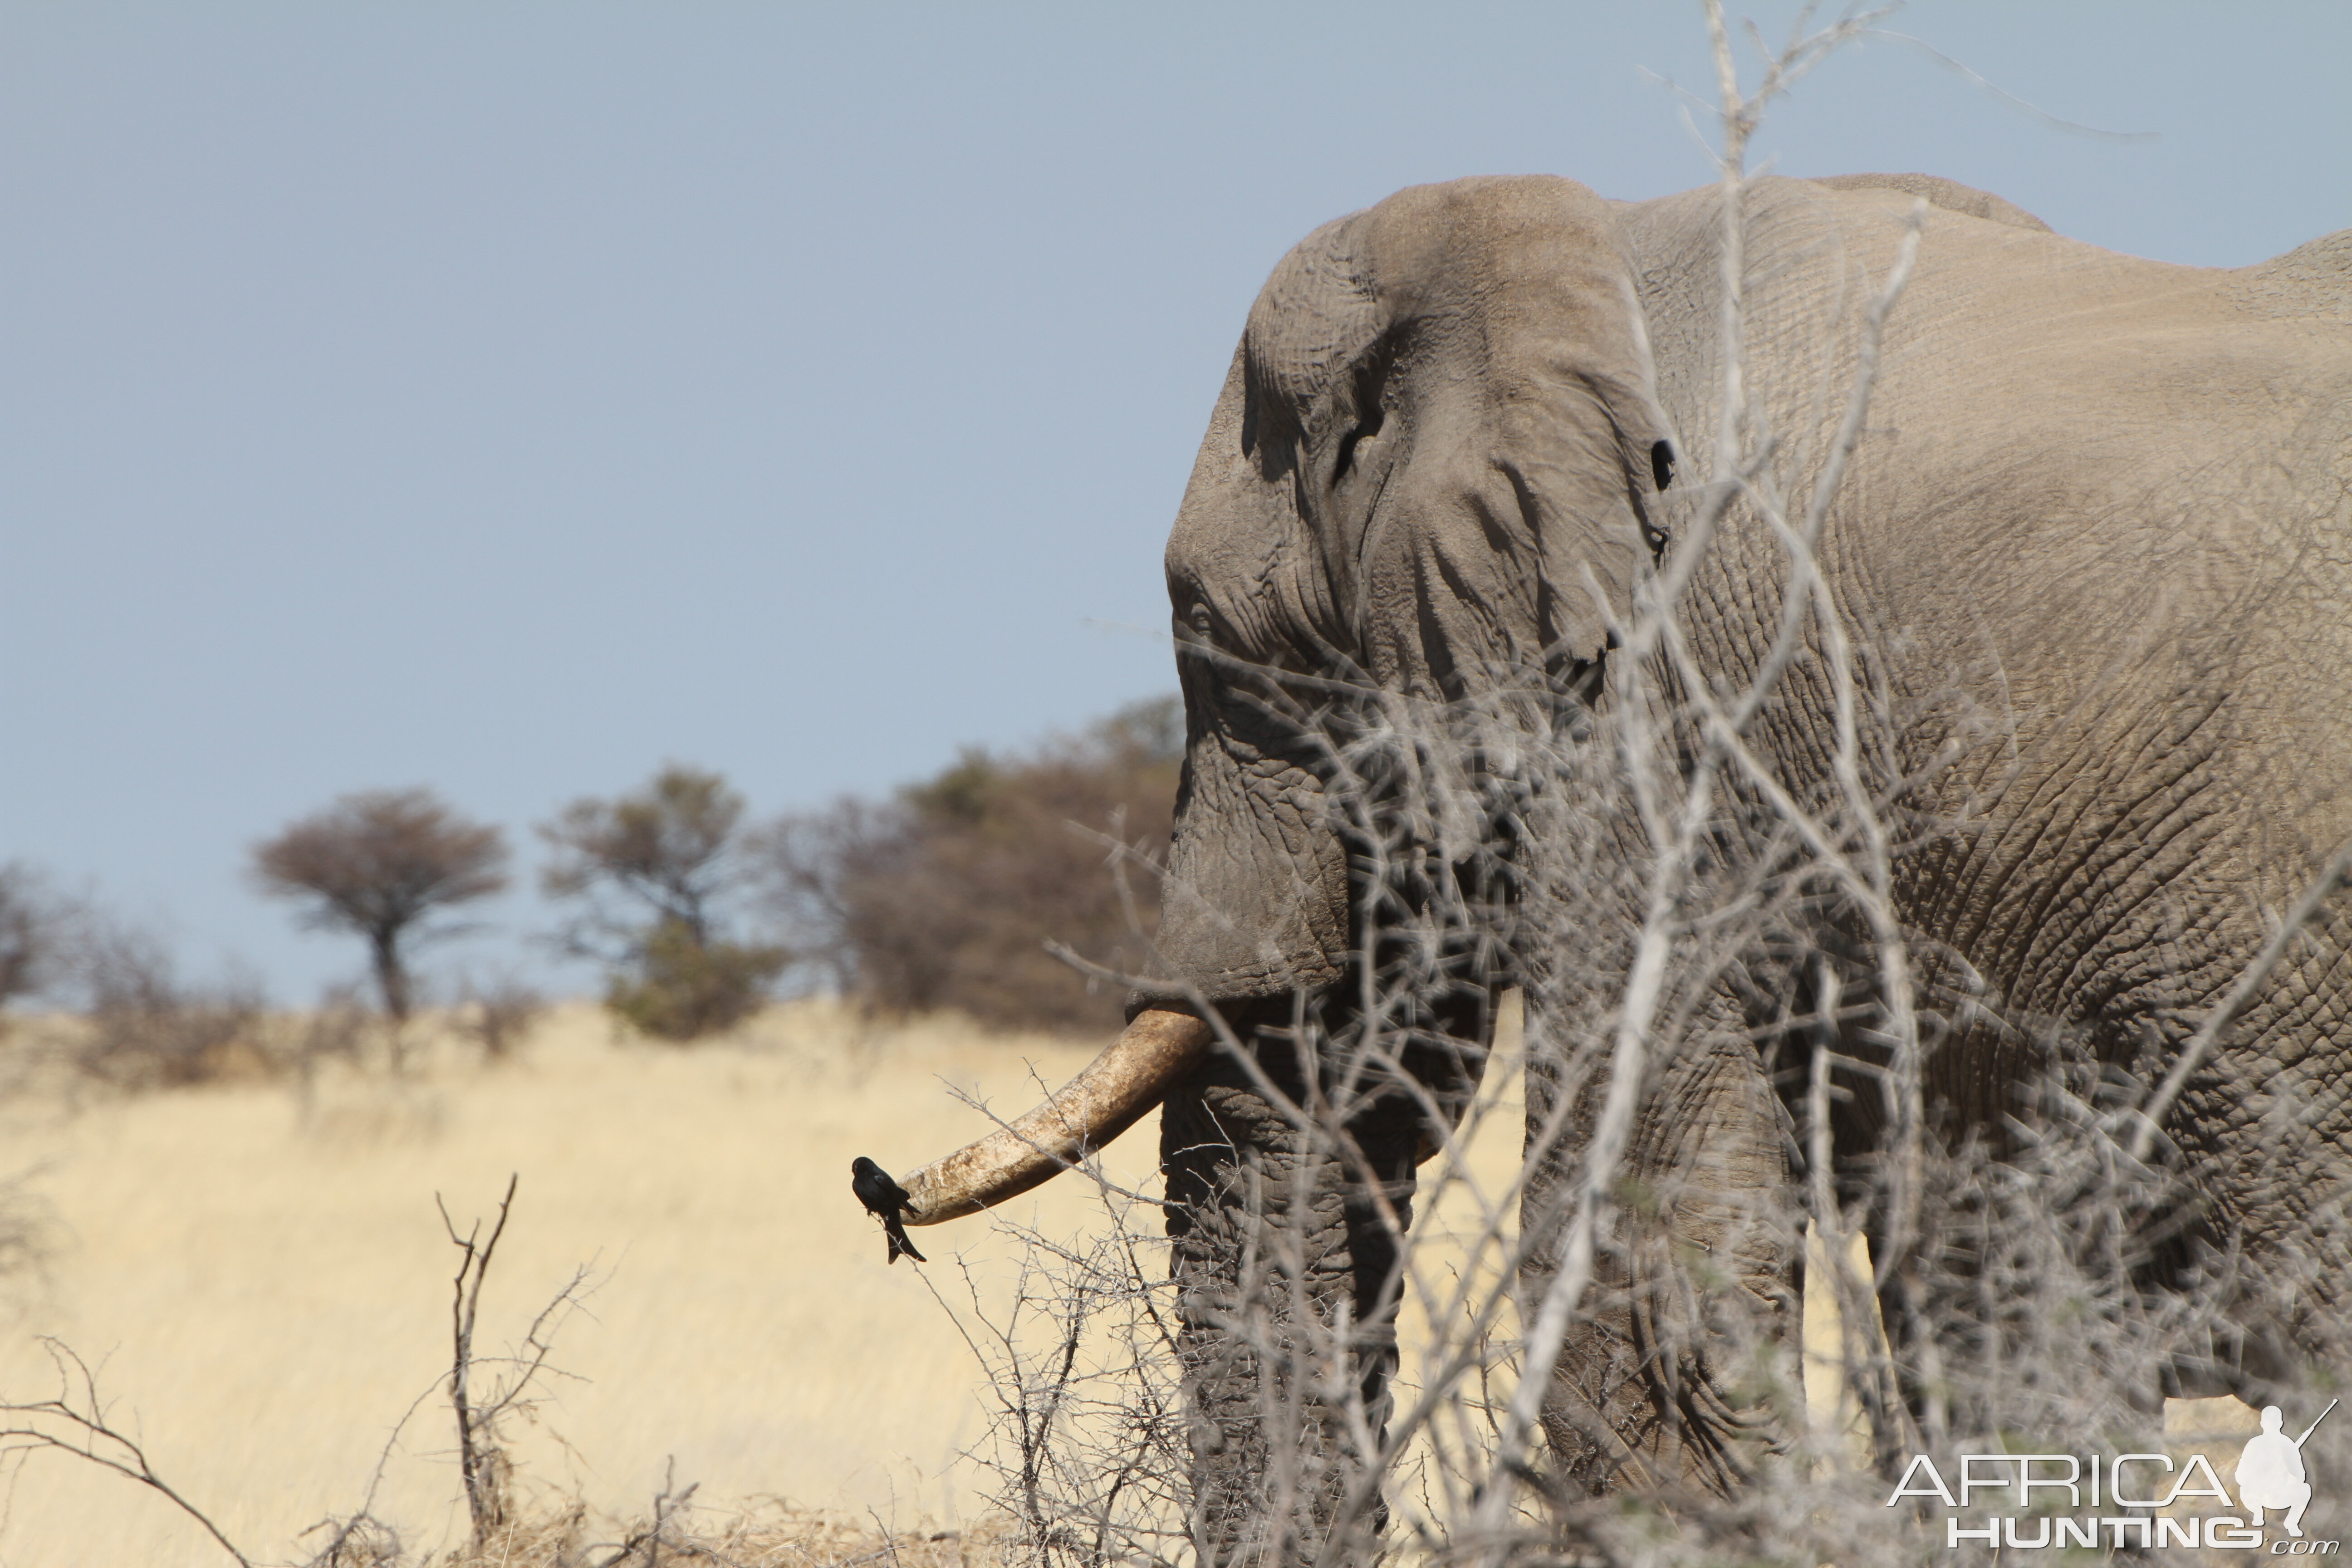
<point x="509" y="397"/>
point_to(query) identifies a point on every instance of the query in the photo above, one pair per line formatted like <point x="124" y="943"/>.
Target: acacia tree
<point x="652" y="871"/>
<point x="377" y="863"/>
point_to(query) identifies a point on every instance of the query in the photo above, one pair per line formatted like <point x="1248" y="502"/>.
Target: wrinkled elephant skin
<point x="2100" y="509"/>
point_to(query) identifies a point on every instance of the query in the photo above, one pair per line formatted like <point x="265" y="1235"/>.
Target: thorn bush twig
<point x="76" y="1422"/>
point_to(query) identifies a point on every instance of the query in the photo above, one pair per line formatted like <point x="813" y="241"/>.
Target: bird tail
<point x="899" y="1245"/>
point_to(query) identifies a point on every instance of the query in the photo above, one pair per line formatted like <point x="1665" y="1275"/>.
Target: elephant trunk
<point x="1115" y="1090"/>
<point x="1287" y="1263"/>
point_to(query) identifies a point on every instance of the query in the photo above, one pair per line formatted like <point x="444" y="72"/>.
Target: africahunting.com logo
<point x="2142" y="1490"/>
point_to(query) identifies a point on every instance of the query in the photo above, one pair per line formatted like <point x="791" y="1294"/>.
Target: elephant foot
<point x="1643" y="1406"/>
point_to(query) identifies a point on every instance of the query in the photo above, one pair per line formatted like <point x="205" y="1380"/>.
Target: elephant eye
<point x="1368" y="425"/>
<point x="1198" y="621"/>
<point x="1662" y="463"/>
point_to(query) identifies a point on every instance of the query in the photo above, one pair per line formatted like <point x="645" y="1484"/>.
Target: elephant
<point x="2090" y="546"/>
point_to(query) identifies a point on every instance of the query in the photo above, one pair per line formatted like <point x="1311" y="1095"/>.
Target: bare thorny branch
<point x="481" y="1461"/>
<point x="1678" y="832"/>
<point x="1678" y="828"/>
<point x="76" y="1422"/>
<point x="1994" y="1258"/>
<point x="670" y="1504"/>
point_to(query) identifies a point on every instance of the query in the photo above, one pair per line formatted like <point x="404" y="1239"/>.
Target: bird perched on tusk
<point x="883" y="1196"/>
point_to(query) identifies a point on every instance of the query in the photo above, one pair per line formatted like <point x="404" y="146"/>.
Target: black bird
<point x="886" y="1197"/>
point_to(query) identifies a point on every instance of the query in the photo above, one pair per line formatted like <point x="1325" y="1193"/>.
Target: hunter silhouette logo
<point x="2271" y="1473"/>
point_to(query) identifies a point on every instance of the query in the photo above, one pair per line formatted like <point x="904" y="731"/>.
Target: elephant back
<point x="2311" y="280"/>
<point x="1949" y="194"/>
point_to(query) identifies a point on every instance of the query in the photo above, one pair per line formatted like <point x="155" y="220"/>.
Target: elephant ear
<point x="1318" y="314"/>
<point x="1519" y="504"/>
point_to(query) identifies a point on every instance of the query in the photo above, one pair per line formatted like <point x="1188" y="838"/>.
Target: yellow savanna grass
<point x="259" y="1275"/>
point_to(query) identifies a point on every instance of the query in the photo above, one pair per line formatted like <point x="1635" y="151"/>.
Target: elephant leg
<point x="1676" y="1373"/>
<point x="1285" y="1254"/>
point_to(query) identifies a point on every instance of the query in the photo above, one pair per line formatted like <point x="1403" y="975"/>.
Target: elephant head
<point x="1431" y="475"/>
<point x="1430" y="482"/>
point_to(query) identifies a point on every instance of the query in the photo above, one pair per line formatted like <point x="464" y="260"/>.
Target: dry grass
<point x="260" y="1273"/>
<point x="777" y="1535"/>
<point x="261" y="1277"/>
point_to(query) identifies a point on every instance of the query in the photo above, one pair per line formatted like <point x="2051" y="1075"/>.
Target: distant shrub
<point x="947" y="895"/>
<point x="146" y="1028"/>
<point x="682" y="988"/>
<point x="653" y="874"/>
<point x="117" y="1010"/>
<point x="497" y="1015"/>
<point x="30" y="928"/>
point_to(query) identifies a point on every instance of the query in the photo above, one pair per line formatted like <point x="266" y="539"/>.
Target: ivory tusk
<point x="1115" y="1090"/>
